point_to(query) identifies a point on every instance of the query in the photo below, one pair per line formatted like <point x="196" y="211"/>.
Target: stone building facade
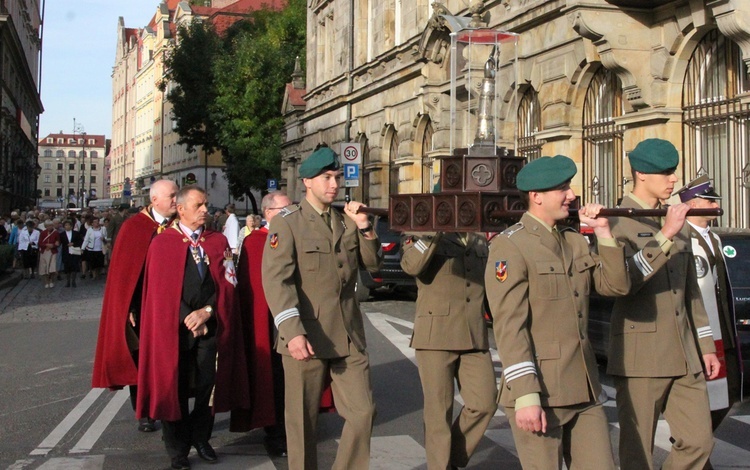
<point x="73" y="169"/>
<point x="592" y="80"/>
<point x="144" y="140"/>
<point x="20" y="104"/>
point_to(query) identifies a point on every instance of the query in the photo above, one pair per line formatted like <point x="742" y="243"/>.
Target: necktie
<point x="162" y="226"/>
<point x="327" y="219"/>
<point x="197" y="255"/>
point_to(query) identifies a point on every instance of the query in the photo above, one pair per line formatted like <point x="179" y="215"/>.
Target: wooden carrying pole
<point x="606" y="212"/>
<point x="621" y="212"/>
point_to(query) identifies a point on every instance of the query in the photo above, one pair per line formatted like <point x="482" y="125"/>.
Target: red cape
<point x="113" y="364"/>
<point x="256" y="317"/>
<point x="160" y="317"/>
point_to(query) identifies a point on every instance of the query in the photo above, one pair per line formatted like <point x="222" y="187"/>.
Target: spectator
<point x="93" y="245"/>
<point x="49" y="240"/>
<point x="28" y="246"/>
<point x="70" y="246"/>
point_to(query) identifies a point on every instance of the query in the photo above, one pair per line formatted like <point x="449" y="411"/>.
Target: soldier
<point x="660" y="329"/>
<point x="538" y="280"/>
<point x="716" y="290"/>
<point x="450" y="339"/>
<point x="310" y="269"/>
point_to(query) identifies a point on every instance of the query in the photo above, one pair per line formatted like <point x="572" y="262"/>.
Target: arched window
<point x="48" y="153"/>
<point x="71" y="154"/>
<point x="391" y="146"/>
<point x="94" y="154"/>
<point x="717" y="124"/>
<point x="529" y="123"/>
<point x="602" y="140"/>
<point x="60" y="154"/>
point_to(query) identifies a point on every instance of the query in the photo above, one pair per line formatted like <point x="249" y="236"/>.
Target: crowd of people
<point x="60" y="244"/>
<point x="262" y="321"/>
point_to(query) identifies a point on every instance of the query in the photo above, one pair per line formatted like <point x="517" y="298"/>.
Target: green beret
<point x="654" y="156"/>
<point x="321" y="160"/>
<point x="545" y="173"/>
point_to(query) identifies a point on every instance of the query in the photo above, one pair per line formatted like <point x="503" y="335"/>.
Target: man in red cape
<point x="264" y="364"/>
<point x="116" y="357"/>
<point x="191" y="342"/>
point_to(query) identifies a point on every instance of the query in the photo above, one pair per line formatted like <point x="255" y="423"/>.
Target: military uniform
<point x="309" y="276"/>
<point x="716" y="290"/>
<point x="658" y="334"/>
<point x="450" y="339"/>
<point x="538" y="284"/>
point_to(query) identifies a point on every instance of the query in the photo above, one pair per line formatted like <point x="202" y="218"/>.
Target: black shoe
<point x="181" y="463"/>
<point x="146" y="425"/>
<point x="276" y="448"/>
<point x="206" y="452"/>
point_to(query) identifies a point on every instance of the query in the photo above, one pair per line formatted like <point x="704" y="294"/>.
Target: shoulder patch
<point x="289" y="210"/>
<point x="508" y="232"/>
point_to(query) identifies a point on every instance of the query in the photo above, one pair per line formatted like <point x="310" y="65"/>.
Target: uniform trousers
<point x="577" y="435"/>
<point x="352" y="394"/>
<point x="449" y="444"/>
<point x="684" y="403"/>
<point x="196" y="377"/>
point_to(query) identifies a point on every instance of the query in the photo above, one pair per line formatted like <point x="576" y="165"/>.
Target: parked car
<point x="736" y="244"/>
<point x="390" y="276"/>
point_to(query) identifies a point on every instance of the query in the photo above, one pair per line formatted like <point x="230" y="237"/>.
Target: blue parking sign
<point x="273" y="184"/>
<point x="351" y="175"/>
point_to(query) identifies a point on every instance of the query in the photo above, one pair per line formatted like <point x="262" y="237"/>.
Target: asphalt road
<point x="51" y="419"/>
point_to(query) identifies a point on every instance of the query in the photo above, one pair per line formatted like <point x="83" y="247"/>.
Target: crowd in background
<point x="69" y="245"/>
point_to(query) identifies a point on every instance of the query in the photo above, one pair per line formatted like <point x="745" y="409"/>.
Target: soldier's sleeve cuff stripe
<point x="704" y="332"/>
<point x="285" y="315"/>
<point x="519" y="370"/>
<point x="420" y="246"/>
<point x="642" y="264"/>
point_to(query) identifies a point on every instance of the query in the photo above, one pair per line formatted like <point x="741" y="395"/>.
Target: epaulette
<point x="289" y="210"/>
<point x="512" y="229"/>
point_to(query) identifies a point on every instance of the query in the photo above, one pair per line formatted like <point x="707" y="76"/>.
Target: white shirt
<point x="705" y="234"/>
<point x="231" y="231"/>
<point x="190" y="233"/>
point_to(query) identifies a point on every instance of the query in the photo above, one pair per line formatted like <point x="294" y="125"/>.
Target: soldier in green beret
<point x="660" y="336"/>
<point x="538" y="279"/>
<point x="310" y="267"/>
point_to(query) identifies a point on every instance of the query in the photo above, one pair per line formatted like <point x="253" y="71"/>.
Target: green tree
<point x="250" y="78"/>
<point x="190" y="65"/>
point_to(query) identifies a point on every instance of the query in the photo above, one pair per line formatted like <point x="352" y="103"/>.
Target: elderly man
<point x="539" y="275"/>
<point x="189" y="318"/>
<point x="265" y="369"/>
<point x="310" y="267"/>
<point x="116" y="357"/>
<point x="660" y="337"/>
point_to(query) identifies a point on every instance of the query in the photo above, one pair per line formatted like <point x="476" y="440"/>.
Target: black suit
<point x="197" y="366"/>
<point x="71" y="263"/>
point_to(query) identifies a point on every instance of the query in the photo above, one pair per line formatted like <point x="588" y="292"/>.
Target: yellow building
<point x="593" y="79"/>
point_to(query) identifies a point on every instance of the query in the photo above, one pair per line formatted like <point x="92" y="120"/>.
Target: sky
<point x="78" y="53"/>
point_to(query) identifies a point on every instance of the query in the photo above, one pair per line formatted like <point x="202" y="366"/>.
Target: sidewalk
<point x="28" y="300"/>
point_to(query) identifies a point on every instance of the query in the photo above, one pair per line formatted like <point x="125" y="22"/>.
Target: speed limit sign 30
<point x="351" y="153"/>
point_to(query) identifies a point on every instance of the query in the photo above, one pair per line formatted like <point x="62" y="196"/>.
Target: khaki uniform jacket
<point x="540" y="307"/>
<point x="309" y="278"/>
<point x="450" y="299"/>
<point x="654" y="328"/>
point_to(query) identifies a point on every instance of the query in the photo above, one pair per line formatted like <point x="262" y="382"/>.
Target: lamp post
<point x="78" y="127"/>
